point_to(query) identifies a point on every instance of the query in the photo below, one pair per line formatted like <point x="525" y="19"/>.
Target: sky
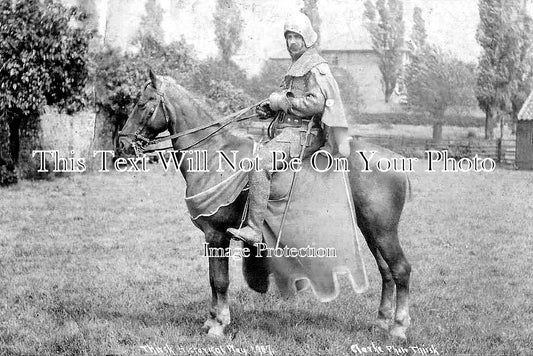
<point x="450" y="24"/>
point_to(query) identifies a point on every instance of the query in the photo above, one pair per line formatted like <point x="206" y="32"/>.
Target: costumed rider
<point x="309" y="92"/>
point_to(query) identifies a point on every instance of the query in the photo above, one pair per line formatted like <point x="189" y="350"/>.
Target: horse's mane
<point x="198" y="101"/>
<point x="202" y="110"/>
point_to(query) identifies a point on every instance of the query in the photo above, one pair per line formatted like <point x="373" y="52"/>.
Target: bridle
<point x="139" y="141"/>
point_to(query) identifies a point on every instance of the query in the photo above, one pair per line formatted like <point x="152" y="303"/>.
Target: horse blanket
<point x="320" y="238"/>
<point x="321" y="231"/>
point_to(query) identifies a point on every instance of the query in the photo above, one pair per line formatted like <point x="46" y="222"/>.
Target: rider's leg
<point x="257" y="206"/>
<point x="259" y="182"/>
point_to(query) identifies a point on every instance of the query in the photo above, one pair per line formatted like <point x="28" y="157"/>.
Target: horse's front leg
<point x="219" y="280"/>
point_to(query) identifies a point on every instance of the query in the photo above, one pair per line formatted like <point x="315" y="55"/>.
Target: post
<point x="499" y="150"/>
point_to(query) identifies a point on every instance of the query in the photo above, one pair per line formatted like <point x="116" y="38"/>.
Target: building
<point x="524" y="135"/>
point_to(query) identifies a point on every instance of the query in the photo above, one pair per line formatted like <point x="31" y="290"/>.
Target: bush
<point x="8" y="174"/>
<point x="471" y="134"/>
<point x="120" y="78"/>
<point x="43" y="63"/>
<point x="223" y="84"/>
<point x="268" y="80"/>
<point x="227" y="98"/>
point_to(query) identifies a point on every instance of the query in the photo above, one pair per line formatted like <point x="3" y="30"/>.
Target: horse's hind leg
<point x="219" y="281"/>
<point x="389" y="247"/>
<point x="386" y="305"/>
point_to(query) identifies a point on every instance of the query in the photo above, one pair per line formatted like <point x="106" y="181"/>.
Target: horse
<point x="378" y="198"/>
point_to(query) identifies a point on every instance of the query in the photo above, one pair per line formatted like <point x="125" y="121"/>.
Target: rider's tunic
<point x="314" y="95"/>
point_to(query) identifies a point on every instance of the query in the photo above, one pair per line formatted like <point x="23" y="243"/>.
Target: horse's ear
<point x="156" y="83"/>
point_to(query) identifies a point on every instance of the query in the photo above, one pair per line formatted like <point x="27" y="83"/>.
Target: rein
<point x="161" y="99"/>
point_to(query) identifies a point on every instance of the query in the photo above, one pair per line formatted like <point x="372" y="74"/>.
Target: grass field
<point x="109" y="263"/>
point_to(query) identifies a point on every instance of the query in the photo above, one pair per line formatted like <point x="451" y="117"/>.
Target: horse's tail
<point x="409" y="195"/>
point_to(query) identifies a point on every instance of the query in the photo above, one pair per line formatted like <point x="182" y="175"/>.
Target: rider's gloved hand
<point x="279" y="101"/>
<point x="264" y="111"/>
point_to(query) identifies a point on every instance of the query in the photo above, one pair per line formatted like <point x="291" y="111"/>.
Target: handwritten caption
<point x="229" y="349"/>
<point x="374" y="349"/>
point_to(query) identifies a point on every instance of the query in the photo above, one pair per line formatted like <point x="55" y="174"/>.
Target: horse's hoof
<point x="209" y="323"/>
<point x="217" y="332"/>
<point x="398" y="332"/>
<point x="382" y="324"/>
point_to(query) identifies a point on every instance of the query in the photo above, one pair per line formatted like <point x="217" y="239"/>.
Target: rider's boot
<point x="258" y="200"/>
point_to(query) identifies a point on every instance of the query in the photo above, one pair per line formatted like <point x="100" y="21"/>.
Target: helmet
<point x="300" y="24"/>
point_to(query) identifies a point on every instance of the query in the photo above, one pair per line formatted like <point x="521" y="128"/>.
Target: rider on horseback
<point x="309" y="93"/>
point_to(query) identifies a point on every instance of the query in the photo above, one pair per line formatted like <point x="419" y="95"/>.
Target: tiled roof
<point x="526" y="112"/>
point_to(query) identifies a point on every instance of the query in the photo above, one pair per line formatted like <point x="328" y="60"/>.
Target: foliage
<point x="228" y="28"/>
<point x="437" y="82"/>
<point x="43" y="59"/>
<point x="8" y="174"/>
<point x="120" y="78"/>
<point x="218" y="70"/>
<point x="384" y="22"/>
<point x="7" y="168"/>
<point x="504" y="33"/>
<point x="351" y="95"/>
<point x="416" y="119"/>
<point x="226" y="97"/>
<point x="310" y="9"/>
<point x="525" y="69"/>
<point x="418" y="32"/>
<point x="151" y="22"/>
<point x="224" y="84"/>
<point x="268" y="80"/>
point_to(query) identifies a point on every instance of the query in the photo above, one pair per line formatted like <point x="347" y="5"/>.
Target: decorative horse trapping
<point x="320" y="237"/>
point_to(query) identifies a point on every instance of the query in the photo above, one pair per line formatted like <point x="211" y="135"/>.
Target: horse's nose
<point x="125" y="147"/>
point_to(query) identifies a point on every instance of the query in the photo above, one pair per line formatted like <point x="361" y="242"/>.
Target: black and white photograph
<point x="298" y="177"/>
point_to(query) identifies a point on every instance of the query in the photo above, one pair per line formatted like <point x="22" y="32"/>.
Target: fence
<point x="503" y="151"/>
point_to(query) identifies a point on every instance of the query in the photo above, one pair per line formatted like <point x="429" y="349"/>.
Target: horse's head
<point x="150" y="117"/>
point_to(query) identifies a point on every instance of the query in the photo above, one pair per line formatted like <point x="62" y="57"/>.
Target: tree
<point x="43" y="62"/>
<point x="384" y="22"/>
<point x="150" y="35"/>
<point x="525" y="68"/>
<point x="418" y="32"/>
<point x="228" y="28"/>
<point x="505" y="37"/>
<point x="311" y="10"/>
<point x="437" y="82"/>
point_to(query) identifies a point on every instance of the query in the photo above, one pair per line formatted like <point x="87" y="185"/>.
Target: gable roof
<point x="526" y="112"/>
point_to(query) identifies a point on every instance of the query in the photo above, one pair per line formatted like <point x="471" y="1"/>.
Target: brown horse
<point x="378" y="199"/>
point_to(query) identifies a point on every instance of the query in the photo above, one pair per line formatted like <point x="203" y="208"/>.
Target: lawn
<point x="109" y="263"/>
